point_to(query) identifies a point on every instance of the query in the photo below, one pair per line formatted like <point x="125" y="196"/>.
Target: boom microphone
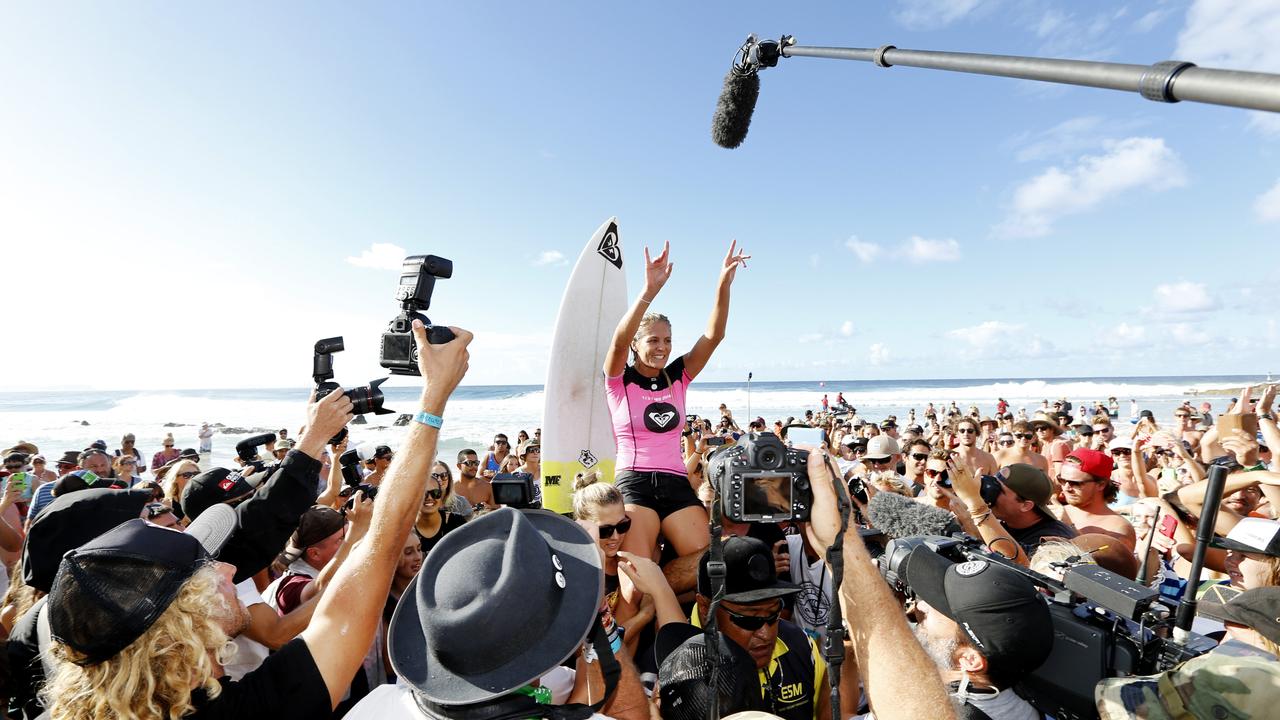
<point x="734" y="108"/>
<point x="901" y="517"/>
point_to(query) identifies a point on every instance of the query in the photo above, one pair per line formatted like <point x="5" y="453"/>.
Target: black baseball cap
<point x="212" y="487"/>
<point x="684" y="674"/>
<point x="1252" y="535"/>
<point x="71" y="521"/>
<point x="111" y="590"/>
<point x="998" y="609"/>
<point x="749" y="572"/>
<point x="189" y="454"/>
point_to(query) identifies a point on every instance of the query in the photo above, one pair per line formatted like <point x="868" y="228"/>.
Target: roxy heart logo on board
<point x="661" y="417"/>
<point x="609" y="249"/>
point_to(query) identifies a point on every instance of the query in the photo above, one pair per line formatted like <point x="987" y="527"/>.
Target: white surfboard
<point x="576" y="432"/>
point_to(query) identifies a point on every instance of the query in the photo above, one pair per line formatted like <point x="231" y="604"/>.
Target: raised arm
<point x="656" y="273"/>
<point x="350" y="609"/>
<point x="969" y="489"/>
<point x="697" y="358"/>
<point x="900" y="681"/>
<point x="1267" y="419"/>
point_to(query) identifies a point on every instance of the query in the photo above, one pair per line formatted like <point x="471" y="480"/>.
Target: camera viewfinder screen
<point x="767" y="495"/>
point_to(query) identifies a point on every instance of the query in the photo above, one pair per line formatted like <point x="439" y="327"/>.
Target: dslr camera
<point x="761" y="480"/>
<point x="351" y="477"/>
<point x="366" y="399"/>
<point x="417" y="282"/>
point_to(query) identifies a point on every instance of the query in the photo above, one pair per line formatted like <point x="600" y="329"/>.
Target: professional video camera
<point x="417" y="281"/>
<point x="760" y="479"/>
<point x="363" y="399"/>
<point x="1104" y="625"/>
<point x="351" y="477"/>
<point x="515" y="490"/>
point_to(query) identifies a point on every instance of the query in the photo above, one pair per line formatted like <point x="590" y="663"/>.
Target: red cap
<point x="1097" y="464"/>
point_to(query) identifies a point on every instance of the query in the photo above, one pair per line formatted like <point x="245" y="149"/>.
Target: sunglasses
<point x="1006" y="443"/>
<point x="935" y="473"/>
<point x="434" y="493"/>
<point x="753" y="622"/>
<point x="128" y="462"/>
<point x="533" y="449"/>
<point x="1025" y="436"/>
<point x="189" y="474"/>
<point x="919" y="457"/>
<point x="438" y="476"/>
<point x="501" y="442"/>
<point x="966" y="431"/>
<point x="1077" y="484"/>
<point x="1121" y="451"/>
<point x="880" y="461"/>
<point x="607" y="531"/>
<point x="470" y="463"/>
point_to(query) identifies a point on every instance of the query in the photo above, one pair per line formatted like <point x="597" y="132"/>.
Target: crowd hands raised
<point x="413" y="594"/>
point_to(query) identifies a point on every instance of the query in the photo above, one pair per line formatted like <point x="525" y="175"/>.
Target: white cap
<point x="882" y="446"/>
<point x="1120" y="443"/>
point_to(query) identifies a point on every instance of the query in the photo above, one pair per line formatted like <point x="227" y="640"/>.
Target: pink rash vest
<point x="648" y="415"/>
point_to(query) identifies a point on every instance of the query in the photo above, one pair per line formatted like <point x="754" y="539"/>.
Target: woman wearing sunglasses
<point x="435" y="519"/>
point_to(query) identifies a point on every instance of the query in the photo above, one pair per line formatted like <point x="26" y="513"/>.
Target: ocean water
<point x="55" y="420"/>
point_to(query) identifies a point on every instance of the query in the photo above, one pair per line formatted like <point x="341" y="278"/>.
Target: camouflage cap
<point x="1210" y="686"/>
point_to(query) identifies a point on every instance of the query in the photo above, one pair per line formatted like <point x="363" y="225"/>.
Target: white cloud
<point x="1187" y="333"/>
<point x="866" y="251"/>
<point x="1136" y="162"/>
<point x="920" y="250"/>
<point x="878" y="354"/>
<point x="550" y="257"/>
<point x="1125" y="335"/>
<point x="1267" y="206"/>
<point x="846" y="328"/>
<point x="915" y="249"/>
<point x="1184" y="297"/>
<point x="1148" y="22"/>
<point x="933" y="14"/>
<point x="380" y="256"/>
<point x="985" y="334"/>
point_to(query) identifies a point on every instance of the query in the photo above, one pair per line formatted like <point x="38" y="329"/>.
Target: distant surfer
<point x="647" y="407"/>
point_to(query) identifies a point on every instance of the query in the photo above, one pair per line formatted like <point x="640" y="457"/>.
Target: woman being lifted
<point x="647" y="405"/>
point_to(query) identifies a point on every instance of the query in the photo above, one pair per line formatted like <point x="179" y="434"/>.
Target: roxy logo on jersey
<point x="609" y="249"/>
<point x="661" y="417"/>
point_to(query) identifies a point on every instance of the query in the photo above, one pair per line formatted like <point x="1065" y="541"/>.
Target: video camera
<point x="515" y="490"/>
<point x="363" y="399"/>
<point x="760" y="479"/>
<point x="351" y="477"/>
<point x="417" y="281"/>
<point x="1103" y="624"/>
<point x="247" y="452"/>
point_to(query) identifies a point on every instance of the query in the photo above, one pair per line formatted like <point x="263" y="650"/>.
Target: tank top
<point x="647" y="415"/>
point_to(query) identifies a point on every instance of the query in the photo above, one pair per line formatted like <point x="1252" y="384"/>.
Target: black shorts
<point x="662" y="492"/>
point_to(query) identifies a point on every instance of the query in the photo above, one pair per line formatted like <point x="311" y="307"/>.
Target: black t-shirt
<point x="26" y="673"/>
<point x="451" y="522"/>
<point x="287" y="685"/>
<point x="1029" y="537"/>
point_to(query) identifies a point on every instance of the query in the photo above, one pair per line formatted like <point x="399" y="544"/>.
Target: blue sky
<point x="191" y="195"/>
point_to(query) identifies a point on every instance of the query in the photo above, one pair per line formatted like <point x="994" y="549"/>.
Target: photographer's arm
<point x="357" y="526"/>
<point x="656" y="272"/>
<point x="10" y="537"/>
<point x="696" y="359"/>
<point x="1267" y="421"/>
<point x="333" y="483"/>
<point x="900" y="681"/>
<point x="350" y="609"/>
<point x="968" y="489"/>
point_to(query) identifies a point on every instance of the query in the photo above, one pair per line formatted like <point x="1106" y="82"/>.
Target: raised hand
<point x="657" y="270"/>
<point x="732" y="260"/>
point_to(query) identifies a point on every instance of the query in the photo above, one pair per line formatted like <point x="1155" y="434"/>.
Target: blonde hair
<point x="590" y="495"/>
<point x="646" y="322"/>
<point x="154" y="677"/>
<point x="447" y="498"/>
<point x="171" y="489"/>
<point x="888" y="481"/>
<point x="1054" y="551"/>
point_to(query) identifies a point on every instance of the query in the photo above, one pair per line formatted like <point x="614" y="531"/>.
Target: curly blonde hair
<point x="154" y="677"/>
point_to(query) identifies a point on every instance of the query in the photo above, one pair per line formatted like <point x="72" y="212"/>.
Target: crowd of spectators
<point x="278" y="588"/>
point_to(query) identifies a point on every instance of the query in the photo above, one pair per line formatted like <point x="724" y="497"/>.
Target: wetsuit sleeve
<point x="269" y="517"/>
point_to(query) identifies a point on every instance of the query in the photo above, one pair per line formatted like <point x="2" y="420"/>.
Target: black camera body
<point x="515" y="490"/>
<point x="1104" y="626"/>
<point x="366" y="399"/>
<point x="417" y="281"/>
<point x="760" y="479"/>
<point x="351" y="477"/>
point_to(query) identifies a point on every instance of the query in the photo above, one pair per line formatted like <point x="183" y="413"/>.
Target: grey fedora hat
<point x="499" y="602"/>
